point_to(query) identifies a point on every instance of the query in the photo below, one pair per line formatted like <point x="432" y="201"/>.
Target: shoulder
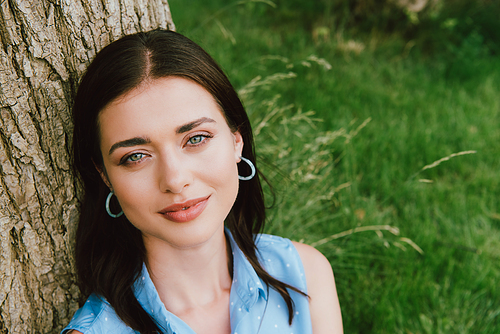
<point x="324" y="304"/>
<point x="271" y="246"/>
<point x="274" y="250"/>
<point x="268" y="239"/>
<point x="280" y="259"/>
<point x="278" y="247"/>
<point x="314" y="262"/>
<point x="96" y="316"/>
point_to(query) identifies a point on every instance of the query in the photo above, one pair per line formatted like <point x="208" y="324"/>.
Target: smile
<point x="186" y="211"/>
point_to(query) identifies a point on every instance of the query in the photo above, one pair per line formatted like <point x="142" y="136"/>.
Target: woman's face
<point x="171" y="160"/>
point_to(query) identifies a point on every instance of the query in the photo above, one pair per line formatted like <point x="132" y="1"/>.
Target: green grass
<point x="380" y="116"/>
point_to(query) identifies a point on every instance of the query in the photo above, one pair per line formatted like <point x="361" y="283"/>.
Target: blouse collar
<point x="246" y="289"/>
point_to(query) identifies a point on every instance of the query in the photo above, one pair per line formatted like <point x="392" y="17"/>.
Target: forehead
<point x="158" y="104"/>
<point x="173" y="98"/>
<point x="165" y="88"/>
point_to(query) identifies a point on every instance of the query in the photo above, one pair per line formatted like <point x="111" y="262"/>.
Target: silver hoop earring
<point x="252" y="167"/>
<point x="108" y="199"/>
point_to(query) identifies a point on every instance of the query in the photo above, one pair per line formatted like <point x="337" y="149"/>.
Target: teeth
<point x="185" y="208"/>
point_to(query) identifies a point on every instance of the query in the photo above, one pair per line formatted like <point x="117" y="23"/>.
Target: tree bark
<point x="46" y="45"/>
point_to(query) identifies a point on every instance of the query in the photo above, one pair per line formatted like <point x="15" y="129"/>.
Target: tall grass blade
<point x="392" y="229"/>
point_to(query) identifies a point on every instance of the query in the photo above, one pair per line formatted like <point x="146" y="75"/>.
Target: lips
<point x="186" y="211"/>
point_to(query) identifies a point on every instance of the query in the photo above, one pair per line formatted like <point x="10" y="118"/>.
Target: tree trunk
<point x="46" y="45"/>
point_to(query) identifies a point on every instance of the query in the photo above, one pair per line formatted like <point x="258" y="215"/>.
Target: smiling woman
<point x="159" y="127"/>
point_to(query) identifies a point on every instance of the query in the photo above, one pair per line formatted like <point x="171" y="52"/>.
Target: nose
<point x="173" y="175"/>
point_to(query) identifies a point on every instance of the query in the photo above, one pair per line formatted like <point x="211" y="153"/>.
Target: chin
<point x="185" y="235"/>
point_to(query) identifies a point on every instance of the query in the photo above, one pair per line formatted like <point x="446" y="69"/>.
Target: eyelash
<point x="126" y="159"/>
<point x="204" y="136"/>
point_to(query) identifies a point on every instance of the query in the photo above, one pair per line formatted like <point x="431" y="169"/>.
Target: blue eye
<point x="135" y="157"/>
<point x="196" y="139"/>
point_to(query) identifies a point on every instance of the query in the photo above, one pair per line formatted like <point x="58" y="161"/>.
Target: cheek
<point x="223" y="174"/>
<point x="134" y="193"/>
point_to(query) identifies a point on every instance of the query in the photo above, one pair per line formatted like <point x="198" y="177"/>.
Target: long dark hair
<point x="110" y="252"/>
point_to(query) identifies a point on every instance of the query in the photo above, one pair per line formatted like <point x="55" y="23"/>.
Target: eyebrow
<point x="144" y="140"/>
<point x="129" y="143"/>
<point x="191" y="125"/>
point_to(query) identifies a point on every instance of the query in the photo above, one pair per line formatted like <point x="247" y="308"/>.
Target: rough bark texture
<point x="45" y="46"/>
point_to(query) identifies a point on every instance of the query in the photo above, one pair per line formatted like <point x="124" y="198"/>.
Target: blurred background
<point x="377" y="126"/>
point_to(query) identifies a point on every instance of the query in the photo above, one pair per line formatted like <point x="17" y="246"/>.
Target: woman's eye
<point x="196" y="139"/>
<point x="135" y="157"/>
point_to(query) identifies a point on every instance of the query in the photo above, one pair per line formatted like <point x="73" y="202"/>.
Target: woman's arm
<point x="324" y="303"/>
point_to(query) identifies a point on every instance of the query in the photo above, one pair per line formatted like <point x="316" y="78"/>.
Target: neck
<point x="190" y="278"/>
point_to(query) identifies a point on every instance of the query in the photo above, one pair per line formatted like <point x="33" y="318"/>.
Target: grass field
<point x="348" y="128"/>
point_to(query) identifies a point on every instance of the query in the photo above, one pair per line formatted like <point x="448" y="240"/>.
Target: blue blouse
<point x="254" y="308"/>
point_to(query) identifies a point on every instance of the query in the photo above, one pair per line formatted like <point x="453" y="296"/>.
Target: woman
<point x="168" y="235"/>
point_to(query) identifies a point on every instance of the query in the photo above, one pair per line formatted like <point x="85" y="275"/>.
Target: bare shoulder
<point x="318" y="271"/>
<point x="74" y="331"/>
<point x="324" y="302"/>
<point x="310" y="256"/>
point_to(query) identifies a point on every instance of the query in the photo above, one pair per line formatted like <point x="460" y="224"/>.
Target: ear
<point x="102" y="172"/>
<point x="238" y="145"/>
